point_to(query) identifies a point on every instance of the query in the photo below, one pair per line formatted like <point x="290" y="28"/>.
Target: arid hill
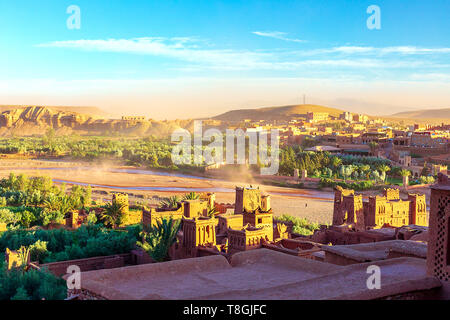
<point x="92" y="111"/>
<point x="27" y="121"/>
<point x="443" y="114"/>
<point x="275" y="113"/>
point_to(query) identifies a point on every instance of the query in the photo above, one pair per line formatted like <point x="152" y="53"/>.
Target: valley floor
<point x="316" y="206"/>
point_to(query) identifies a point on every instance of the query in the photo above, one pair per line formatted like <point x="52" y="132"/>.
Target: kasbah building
<point x="244" y="252"/>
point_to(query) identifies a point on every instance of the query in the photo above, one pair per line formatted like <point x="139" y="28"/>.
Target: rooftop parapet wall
<point x="153" y="216"/>
<point x="438" y="259"/>
<point x="195" y="208"/>
<point x="391" y="194"/>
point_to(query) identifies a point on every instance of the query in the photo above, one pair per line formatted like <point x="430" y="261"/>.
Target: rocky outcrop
<point x="27" y="121"/>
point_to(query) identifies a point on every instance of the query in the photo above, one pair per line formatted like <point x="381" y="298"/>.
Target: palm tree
<point x="191" y="196"/>
<point x="170" y="203"/>
<point x="62" y="204"/>
<point x="114" y="214"/>
<point x="212" y="212"/>
<point x="65" y="205"/>
<point x="157" y="240"/>
<point x="405" y="173"/>
<point x="384" y="168"/>
<point x="365" y="169"/>
<point x="336" y="162"/>
<point x="24" y="257"/>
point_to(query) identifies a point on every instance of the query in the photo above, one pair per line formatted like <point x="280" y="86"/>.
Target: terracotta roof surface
<point x="256" y="274"/>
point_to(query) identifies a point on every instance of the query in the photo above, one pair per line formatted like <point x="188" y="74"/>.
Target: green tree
<point x="336" y="162"/>
<point x="405" y="173"/>
<point x="113" y="215"/>
<point x="212" y="212"/>
<point x="170" y="203"/>
<point x="21" y="294"/>
<point x="383" y="168"/>
<point x="157" y="240"/>
<point x="365" y="169"/>
<point x="191" y="196"/>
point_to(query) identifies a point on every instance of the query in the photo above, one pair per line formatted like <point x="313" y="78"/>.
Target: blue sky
<point x="167" y="59"/>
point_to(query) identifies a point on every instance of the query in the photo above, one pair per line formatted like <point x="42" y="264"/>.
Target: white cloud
<point x="197" y="57"/>
<point x="437" y="77"/>
<point x="277" y="35"/>
<point x="405" y="50"/>
<point x="172" y="48"/>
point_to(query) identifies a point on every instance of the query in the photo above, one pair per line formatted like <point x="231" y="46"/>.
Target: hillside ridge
<point x="276" y="113"/>
<point x="443" y="113"/>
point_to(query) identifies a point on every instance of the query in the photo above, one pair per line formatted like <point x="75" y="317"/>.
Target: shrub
<point x="358" y="186"/>
<point x="48" y="217"/>
<point x="91" y="218"/>
<point x="16" y="284"/>
<point x="27" y="218"/>
<point x="8" y="217"/>
<point x="61" y="245"/>
<point x="38" y="251"/>
<point x="300" y="225"/>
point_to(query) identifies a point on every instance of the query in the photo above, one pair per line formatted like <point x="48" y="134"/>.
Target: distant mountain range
<point x="27" y="121"/>
<point x="443" y="114"/>
<point x="432" y="116"/>
<point x="36" y="120"/>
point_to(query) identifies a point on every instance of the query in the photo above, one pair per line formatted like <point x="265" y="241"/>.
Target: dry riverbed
<point x="314" y="205"/>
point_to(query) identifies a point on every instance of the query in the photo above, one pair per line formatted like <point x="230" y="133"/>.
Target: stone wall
<point x="88" y="264"/>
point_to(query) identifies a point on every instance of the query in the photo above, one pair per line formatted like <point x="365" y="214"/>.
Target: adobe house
<point x="229" y="221"/>
<point x="198" y="232"/>
<point x="248" y="238"/>
<point x="417" y="209"/>
<point x="154" y="215"/>
<point x="259" y="219"/>
<point x="247" y="200"/>
<point x="196" y="208"/>
<point x="388" y="209"/>
<point x="186" y="208"/>
<point x="348" y="207"/>
<point x="247" y="228"/>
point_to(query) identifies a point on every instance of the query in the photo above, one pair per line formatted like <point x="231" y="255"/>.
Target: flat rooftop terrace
<point x="365" y="252"/>
<point x="257" y="274"/>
